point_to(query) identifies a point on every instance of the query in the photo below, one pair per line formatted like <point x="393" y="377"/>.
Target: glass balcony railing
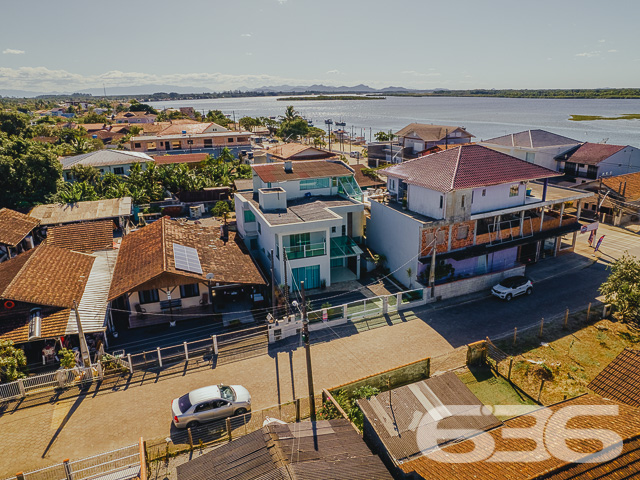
<point x="306" y="251"/>
<point x="344" y="247"/>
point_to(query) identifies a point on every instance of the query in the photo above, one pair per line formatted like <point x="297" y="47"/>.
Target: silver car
<point x="210" y="403"/>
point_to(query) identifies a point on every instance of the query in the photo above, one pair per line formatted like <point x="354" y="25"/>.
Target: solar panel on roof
<point x="186" y="258"/>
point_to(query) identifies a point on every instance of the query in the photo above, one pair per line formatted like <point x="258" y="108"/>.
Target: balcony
<point x="306" y="251"/>
<point x="342" y="247"/>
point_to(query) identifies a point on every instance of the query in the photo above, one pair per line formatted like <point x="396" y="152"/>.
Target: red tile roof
<point x="297" y="151"/>
<point x="190" y="128"/>
<point x="467" y="166"/>
<point x="593" y="153"/>
<point x="529" y="462"/>
<point x="146" y="258"/>
<point x="429" y="133"/>
<point x="274" y="172"/>
<point x="620" y="380"/>
<point x="627" y="185"/>
<point x="86" y="237"/>
<point x="14" y="226"/>
<point x="366" y="181"/>
<point x="180" y="158"/>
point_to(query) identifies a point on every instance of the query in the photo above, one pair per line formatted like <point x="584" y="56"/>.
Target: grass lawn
<point x="492" y="389"/>
<point x="566" y="359"/>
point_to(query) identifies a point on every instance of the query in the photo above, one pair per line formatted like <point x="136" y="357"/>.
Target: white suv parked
<point x="512" y="287"/>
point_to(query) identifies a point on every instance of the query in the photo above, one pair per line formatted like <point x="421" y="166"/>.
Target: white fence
<point x="124" y="463"/>
<point x="50" y="381"/>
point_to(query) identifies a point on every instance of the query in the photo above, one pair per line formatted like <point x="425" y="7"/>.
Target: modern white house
<point x="118" y="162"/>
<point x="477" y="208"/>
<point x="312" y="213"/>
<point x="534" y="146"/>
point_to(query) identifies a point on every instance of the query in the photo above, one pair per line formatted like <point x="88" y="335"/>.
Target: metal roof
<point x="444" y="401"/>
<point x="93" y="304"/>
<point x="102" y="158"/>
<point x="58" y="213"/>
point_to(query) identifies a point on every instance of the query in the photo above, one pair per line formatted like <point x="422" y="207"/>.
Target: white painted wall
<point x="425" y="202"/>
<point x="397" y="237"/>
<point x="544" y="156"/>
<point x="497" y="197"/>
<point x="626" y="160"/>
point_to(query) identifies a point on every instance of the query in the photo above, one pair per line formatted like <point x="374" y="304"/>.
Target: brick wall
<point x="457" y="243"/>
<point x="426" y="237"/>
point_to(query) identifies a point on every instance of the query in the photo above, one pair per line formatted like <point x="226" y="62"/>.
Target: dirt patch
<point x="567" y="360"/>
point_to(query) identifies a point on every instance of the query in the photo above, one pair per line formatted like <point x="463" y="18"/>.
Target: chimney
<point x="288" y="166"/>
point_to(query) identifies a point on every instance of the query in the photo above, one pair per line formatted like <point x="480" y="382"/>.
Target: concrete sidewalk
<point x="103" y="420"/>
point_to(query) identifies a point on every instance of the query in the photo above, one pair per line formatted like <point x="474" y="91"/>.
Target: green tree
<point x="29" y="172"/>
<point x="14" y="123"/>
<point x="216" y="116"/>
<point x="622" y="288"/>
<point x="12" y="361"/>
<point x="384" y="136"/>
<point x="76" y="192"/>
<point x="293" y="129"/>
<point x="221" y="210"/>
<point x="141" y="107"/>
<point x="249" y="123"/>
<point x="67" y="358"/>
<point x="290" y="114"/>
<point x="85" y="173"/>
<point x="93" y="117"/>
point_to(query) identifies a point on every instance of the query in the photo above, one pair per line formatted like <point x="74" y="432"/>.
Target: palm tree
<point x="410" y="275"/>
<point x="290" y="114"/>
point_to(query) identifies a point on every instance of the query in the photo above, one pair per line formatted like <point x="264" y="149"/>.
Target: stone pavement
<point x="103" y="420"/>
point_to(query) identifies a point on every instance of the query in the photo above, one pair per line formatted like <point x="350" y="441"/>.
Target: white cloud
<point x="601" y="41"/>
<point x="42" y="79"/>
<point x="248" y="54"/>
<point x="333" y="72"/>
<point x="589" y="54"/>
<point x="245" y="35"/>
<point x="613" y="50"/>
<point x="13" y="51"/>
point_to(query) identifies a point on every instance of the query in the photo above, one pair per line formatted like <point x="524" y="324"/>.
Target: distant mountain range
<point x="151" y="89"/>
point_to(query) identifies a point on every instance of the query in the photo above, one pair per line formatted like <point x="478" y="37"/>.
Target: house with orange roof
<point x="617" y="201"/>
<point x="462" y="219"/>
<point x="297" y="152"/>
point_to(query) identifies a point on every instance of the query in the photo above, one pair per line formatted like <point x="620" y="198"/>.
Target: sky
<point x="70" y="45"/>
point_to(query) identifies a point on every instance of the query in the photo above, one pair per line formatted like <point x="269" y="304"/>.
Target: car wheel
<point x="193" y="424"/>
<point x="508" y="297"/>
<point x="241" y="411"/>
<point x="529" y="291"/>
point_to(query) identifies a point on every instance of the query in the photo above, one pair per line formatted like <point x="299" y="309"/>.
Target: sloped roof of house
<point x="297" y="151"/>
<point x="154" y="128"/>
<point x="593" y="153"/>
<point x="58" y="213"/>
<point x="467" y="166"/>
<point x="135" y="114"/>
<point x="366" y="181"/>
<point x="620" y="380"/>
<point x="45" y="275"/>
<point x="14" y="226"/>
<point x="92" y="127"/>
<point x="529" y="464"/>
<point x="146" y="258"/>
<point x="102" y="158"/>
<point x="84" y="237"/>
<point x="533" y="139"/>
<point x="627" y="185"/>
<point x="180" y="158"/>
<point x="190" y="128"/>
<point x="429" y="133"/>
<point x="325" y="449"/>
<point x="275" y="172"/>
<point x="443" y="400"/>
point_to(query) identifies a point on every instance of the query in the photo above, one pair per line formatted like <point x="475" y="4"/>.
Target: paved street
<point x="112" y="417"/>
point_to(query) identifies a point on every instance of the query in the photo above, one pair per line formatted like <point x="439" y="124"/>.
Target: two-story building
<point x="476" y="208"/>
<point x="535" y="146"/>
<point x="135" y="117"/>
<point x="312" y="213"/>
<point x="595" y="160"/>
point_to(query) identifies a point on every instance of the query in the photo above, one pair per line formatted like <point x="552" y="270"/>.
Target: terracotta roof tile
<point x="620" y="380"/>
<point x="14" y="226"/>
<point x="297" y="151"/>
<point x="627" y="185"/>
<point x="593" y="153"/>
<point x="529" y="465"/>
<point x="146" y="258"/>
<point x="365" y="181"/>
<point x="82" y="237"/>
<point x="274" y="172"/>
<point x="467" y="166"/>
<point x="190" y="128"/>
<point x="46" y="275"/>
<point x="429" y="133"/>
<point x="16" y="325"/>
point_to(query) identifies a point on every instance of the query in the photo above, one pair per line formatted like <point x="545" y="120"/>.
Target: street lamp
<point x="209" y="278"/>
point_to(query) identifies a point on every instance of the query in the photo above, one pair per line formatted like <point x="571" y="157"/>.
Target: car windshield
<point x="183" y="403"/>
<point x="227" y="393"/>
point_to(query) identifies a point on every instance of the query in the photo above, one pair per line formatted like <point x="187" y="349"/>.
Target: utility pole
<point x="432" y="269"/>
<point x="307" y="350"/>
<point x="84" y="350"/>
<point x="273" y="288"/>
